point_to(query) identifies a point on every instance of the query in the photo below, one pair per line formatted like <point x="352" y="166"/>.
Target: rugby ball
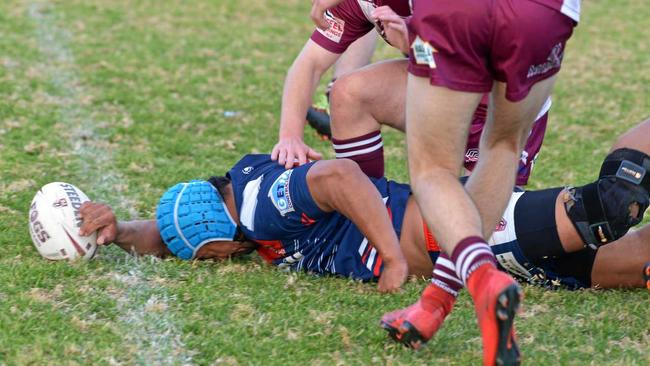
<point x="54" y="223"/>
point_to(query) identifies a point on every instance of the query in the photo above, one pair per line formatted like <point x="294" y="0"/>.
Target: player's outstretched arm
<point x="140" y="237"/>
<point x="299" y="86"/>
<point x="340" y="185"/>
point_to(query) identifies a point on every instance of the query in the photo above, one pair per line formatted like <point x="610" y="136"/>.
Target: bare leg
<point x="357" y="55"/>
<point x="620" y="263"/>
<point x="367" y="98"/>
<point x="503" y="139"/>
<point x="437" y="126"/>
<point x="636" y="138"/>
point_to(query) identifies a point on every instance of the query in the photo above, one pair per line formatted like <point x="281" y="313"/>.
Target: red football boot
<point x="646" y="275"/>
<point x="415" y="325"/>
<point x="497" y="297"/>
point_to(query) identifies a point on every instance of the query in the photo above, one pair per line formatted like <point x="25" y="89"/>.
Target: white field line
<point x="145" y="319"/>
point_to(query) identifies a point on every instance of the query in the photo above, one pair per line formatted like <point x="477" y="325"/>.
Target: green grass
<point x="146" y="84"/>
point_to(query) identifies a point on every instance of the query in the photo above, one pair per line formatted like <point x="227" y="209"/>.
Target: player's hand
<point x="318" y="9"/>
<point x="394" y="26"/>
<point x="98" y="217"/>
<point x="393" y="276"/>
<point x="288" y="150"/>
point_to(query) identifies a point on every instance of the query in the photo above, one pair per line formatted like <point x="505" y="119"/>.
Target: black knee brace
<point x="606" y="209"/>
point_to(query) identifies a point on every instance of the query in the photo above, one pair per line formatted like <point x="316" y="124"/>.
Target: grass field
<point x="125" y="98"/>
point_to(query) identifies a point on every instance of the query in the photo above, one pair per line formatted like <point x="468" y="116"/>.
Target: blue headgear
<point x="189" y="215"/>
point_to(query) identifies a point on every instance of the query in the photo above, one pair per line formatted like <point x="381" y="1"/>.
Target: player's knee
<point x="348" y="89"/>
<point x="339" y="170"/>
<point x="605" y="210"/>
<point x="635" y="138"/>
<point x="344" y="169"/>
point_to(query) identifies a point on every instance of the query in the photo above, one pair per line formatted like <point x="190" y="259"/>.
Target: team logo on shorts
<point x="247" y="170"/>
<point x="336" y="27"/>
<point x="553" y="61"/>
<point x="423" y="53"/>
<point x="471" y="155"/>
<point x="279" y="193"/>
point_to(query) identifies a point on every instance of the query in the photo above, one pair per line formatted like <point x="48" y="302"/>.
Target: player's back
<point x="277" y="211"/>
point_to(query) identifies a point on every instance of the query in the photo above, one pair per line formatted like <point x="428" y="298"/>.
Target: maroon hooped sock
<point x="444" y="275"/>
<point x="367" y="150"/>
<point x="469" y="254"/>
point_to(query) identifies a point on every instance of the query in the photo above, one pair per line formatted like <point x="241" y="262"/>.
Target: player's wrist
<point x="395" y="259"/>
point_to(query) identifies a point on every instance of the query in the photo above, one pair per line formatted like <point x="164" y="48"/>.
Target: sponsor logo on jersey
<point x="423" y="53"/>
<point x="279" y="193"/>
<point x="336" y="27"/>
<point x="471" y="155"/>
<point x="247" y="170"/>
<point x="553" y="61"/>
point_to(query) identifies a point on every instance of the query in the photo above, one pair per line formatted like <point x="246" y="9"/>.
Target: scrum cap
<point x="190" y="215"/>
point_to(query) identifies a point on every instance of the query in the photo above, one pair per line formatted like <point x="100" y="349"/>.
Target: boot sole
<point x="508" y="303"/>
<point x="406" y="334"/>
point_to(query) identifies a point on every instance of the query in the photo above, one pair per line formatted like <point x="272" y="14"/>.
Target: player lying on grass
<point x="364" y="100"/>
<point x="328" y="217"/>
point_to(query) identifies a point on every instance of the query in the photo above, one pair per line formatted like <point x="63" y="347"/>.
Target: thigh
<point x="367" y="98"/>
<point x="438" y="121"/>
<point x="620" y="263"/>
<point x="512" y="121"/>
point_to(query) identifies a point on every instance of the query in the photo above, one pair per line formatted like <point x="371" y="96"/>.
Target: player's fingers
<point x="88" y="215"/>
<point x="100" y="217"/>
<point x="274" y="153"/>
<point x="381" y="12"/>
<point x="291" y="158"/>
<point x="282" y="156"/>
<point x="317" y="15"/>
<point x="302" y="157"/>
<point x="107" y="234"/>
<point x="314" y="155"/>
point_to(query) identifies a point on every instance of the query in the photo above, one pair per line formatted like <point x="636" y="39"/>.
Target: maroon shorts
<point x="528" y="155"/>
<point x="466" y="45"/>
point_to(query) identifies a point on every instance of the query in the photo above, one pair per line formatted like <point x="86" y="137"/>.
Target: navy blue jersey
<point x="277" y="211"/>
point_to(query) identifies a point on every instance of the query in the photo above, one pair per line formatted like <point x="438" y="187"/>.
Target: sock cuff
<point x="469" y="254"/>
<point x="368" y="144"/>
<point x="463" y="244"/>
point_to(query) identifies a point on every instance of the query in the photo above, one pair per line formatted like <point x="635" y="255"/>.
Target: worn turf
<point x="125" y="98"/>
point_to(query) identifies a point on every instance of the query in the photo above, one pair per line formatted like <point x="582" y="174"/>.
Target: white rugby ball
<point x="54" y="223"/>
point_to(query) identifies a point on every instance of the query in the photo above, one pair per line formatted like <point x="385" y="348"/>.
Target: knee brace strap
<point x="605" y="210"/>
<point x="627" y="164"/>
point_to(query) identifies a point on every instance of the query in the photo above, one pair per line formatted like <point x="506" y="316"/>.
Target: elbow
<point x="342" y="172"/>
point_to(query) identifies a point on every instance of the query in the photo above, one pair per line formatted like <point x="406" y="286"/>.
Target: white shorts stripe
<point x="371" y="259"/>
<point x="362" y="247"/>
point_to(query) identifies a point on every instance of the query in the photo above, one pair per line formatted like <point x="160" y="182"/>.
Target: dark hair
<point x="220" y="184"/>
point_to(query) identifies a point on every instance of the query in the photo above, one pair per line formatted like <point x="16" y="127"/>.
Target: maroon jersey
<point x="570" y="8"/>
<point x="351" y="20"/>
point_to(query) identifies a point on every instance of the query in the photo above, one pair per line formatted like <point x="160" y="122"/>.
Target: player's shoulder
<point x="252" y="165"/>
